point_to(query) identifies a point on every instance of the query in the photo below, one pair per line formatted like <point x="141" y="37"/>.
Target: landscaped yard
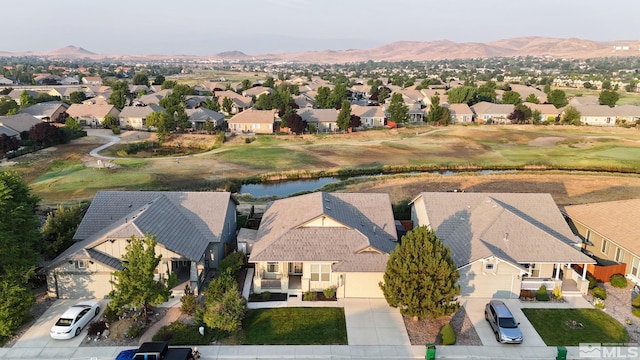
<point x="569" y="327"/>
<point x="295" y="326"/>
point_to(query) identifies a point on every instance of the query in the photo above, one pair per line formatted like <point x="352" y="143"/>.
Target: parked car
<point x="72" y="321"/>
<point x="502" y="322"/>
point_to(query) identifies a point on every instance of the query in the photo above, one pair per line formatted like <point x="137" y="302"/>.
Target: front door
<point x="295" y="268"/>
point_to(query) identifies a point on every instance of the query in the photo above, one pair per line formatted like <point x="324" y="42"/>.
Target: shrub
<point x="309" y="296"/>
<point x="232" y="263"/>
<point x="96" y="327"/>
<point x="599" y="293"/>
<point x="265" y="295"/>
<point x="557" y="293"/>
<point x="542" y="294"/>
<point x="447" y="335"/>
<point x="188" y="300"/>
<point x="618" y="280"/>
<point x="110" y="314"/>
<point x="636" y="311"/>
<point x="329" y="292"/>
<point x="115" y="130"/>
<point x="592" y="281"/>
<point x="636" y="302"/>
<point x="134" y="331"/>
<point x="598" y="303"/>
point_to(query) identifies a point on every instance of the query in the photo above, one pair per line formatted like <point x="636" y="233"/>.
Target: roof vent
<point x="374" y="229"/>
<point x="506" y="237"/>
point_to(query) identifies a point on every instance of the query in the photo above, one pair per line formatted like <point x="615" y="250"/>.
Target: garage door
<point x="80" y="286"/>
<point x="363" y="285"/>
<point x="491" y="286"/>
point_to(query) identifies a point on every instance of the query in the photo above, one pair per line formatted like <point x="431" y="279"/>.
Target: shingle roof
<point x="521" y="228"/>
<point x="202" y="114"/>
<point x="92" y="110"/>
<point x="488" y="108"/>
<point x="139" y="111"/>
<point x="361" y="241"/>
<point x="318" y="115"/>
<point x="615" y="220"/>
<point x="252" y="116"/>
<point x="19" y="122"/>
<point x="45" y="109"/>
<point x="367" y="111"/>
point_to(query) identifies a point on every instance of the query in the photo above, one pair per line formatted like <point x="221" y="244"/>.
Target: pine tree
<point x="398" y="110"/>
<point x="135" y="286"/>
<point x="421" y="278"/>
<point x="344" y="117"/>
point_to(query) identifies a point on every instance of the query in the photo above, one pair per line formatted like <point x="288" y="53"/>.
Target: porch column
<point x="584" y="271"/>
<point x="558" y="271"/>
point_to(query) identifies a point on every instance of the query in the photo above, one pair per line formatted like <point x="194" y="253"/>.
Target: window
<point x="619" y="255"/>
<point x="272" y="267"/>
<point x="320" y="272"/>
<point x="488" y="266"/>
<point x="605" y="247"/>
<point x="634" y="266"/>
<point x="81" y="265"/>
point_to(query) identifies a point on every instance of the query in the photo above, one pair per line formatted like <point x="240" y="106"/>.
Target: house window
<point x="619" y="255"/>
<point x="605" y="247"/>
<point x="272" y="267"/>
<point x="320" y="272"/>
<point x="81" y="264"/>
<point x="634" y="266"/>
<point x="488" y="266"/>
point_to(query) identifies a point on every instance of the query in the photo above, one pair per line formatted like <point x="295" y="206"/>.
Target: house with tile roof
<point x="253" y="121"/>
<point x="503" y="243"/>
<point x="321" y="240"/>
<point x="51" y="111"/>
<point x="135" y="117"/>
<point x="194" y="231"/>
<point x="324" y="120"/>
<point x="607" y="239"/>
<point x="92" y="114"/>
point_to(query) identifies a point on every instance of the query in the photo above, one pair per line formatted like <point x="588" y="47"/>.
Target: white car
<point x="72" y="321"/>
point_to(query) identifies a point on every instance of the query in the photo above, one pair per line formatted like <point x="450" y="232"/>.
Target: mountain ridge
<point x="395" y="51"/>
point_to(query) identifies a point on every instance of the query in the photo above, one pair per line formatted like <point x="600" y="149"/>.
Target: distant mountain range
<point x="397" y="51"/>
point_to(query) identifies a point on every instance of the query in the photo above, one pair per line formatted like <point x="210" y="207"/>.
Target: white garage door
<point x="80" y="286"/>
<point x="363" y="285"/>
<point x="496" y="286"/>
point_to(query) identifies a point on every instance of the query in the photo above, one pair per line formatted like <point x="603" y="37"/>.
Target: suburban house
<point x="615" y="241"/>
<point x="16" y="93"/>
<point x="503" y="243"/>
<point x="257" y="91"/>
<point x="64" y="92"/>
<point x="6" y="81"/>
<point x="525" y="91"/>
<point x="194" y="231"/>
<point x="304" y="101"/>
<point x="548" y="112"/>
<point x="324" y="120"/>
<point x="198" y="117"/>
<point x="92" y="114"/>
<point x="321" y="240"/>
<point x="239" y="103"/>
<point x="135" y="117"/>
<point x="370" y="116"/>
<point x="584" y="100"/>
<point x="19" y="122"/>
<point x="460" y="113"/>
<point x="51" y="111"/>
<point x="153" y="98"/>
<point x="92" y="80"/>
<point x="253" y="121"/>
<point x="491" y="113"/>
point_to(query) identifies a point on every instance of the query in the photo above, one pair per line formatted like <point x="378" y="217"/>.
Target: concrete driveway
<point x="374" y="322"/>
<point x="475" y="311"/>
<point x="37" y="337"/>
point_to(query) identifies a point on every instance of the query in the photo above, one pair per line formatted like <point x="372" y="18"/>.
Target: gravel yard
<point x="427" y="331"/>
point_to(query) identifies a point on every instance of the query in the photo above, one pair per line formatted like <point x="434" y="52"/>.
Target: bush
<point x="265" y="295"/>
<point x="599" y="293"/>
<point x="618" y="280"/>
<point x="598" y="303"/>
<point x="592" y="281"/>
<point x="542" y="294"/>
<point x="310" y="296"/>
<point x="134" y="331"/>
<point x="329" y="292"/>
<point x="447" y="335"/>
<point x="188" y="300"/>
<point x="232" y="263"/>
<point x="110" y="314"/>
<point x="115" y="130"/>
<point x="636" y="312"/>
<point x="96" y="327"/>
<point x="636" y="302"/>
<point x="557" y="293"/>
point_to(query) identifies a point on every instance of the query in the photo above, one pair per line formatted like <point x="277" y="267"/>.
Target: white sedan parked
<point x="71" y="323"/>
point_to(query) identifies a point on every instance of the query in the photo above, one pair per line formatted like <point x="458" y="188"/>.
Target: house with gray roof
<point x="194" y="231"/>
<point x="490" y="113"/>
<point x="503" y="243"/>
<point x="51" y="111"/>
<point x="19" y="122"/>
<point x="324" y="120"/>
<point x="198" y="117"/>
<point x="321" y="240"/>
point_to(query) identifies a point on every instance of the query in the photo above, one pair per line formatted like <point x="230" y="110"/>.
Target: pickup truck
<point x="157" y="350"/>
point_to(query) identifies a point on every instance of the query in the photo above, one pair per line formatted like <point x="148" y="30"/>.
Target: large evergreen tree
<point x="421" y="278"/>
<point x="344" y="116"/>
<point x="398" y="110"/>
<point x="438" y="114"/>
<point x="224" y="306"/>
<point x="135" y="286"/>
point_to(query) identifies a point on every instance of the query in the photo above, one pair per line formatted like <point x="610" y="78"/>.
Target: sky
<point x="207" y="27"/>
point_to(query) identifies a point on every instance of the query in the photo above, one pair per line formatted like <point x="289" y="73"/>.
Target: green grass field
<point x="598" y="327"/>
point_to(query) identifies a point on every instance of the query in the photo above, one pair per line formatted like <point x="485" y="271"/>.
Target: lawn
<point x="553" y="325"/>
<point x="295" y="326"/>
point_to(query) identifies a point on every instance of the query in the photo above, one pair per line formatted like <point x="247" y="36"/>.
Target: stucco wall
<point x="501" y="282"/>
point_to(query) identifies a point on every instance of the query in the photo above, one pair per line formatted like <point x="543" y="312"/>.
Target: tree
<point x="45" y="134"/>
<point x="532" y="98"/>
<point x="609" y="98"/>
<point x="547" y="88"/>
<point x="77" y="97"/>
<point x="163" y="122"/>
<point x="354" y="121"/>
<point x="26" y="99"/>
<point x="246" y="84"/>
<point x="558" y="98"/>
<point x="511" y="97"/>
<point x="517" y="116"/>
<point x="398" y="110"/>
<point x="224" y="306"/>
<point x="344" y="116"/>
<point x="462" y="95"/>
<point x="338" y="95"/>
<point x="295" y="122"/>
<point x="135" y="286"/>
<point x="212" y="104"/>
<point x="168" y="84"/>
<point x="8" y="106"/>
<point x="606" y="85"/>
<point x="8" y="143"/>
<point x="438" y="114"/>
<point x="159" y="80"/>
<point x="72" y="124"/>
<point x="227" y="105"/>
<point x="269" y="82"/>
<point x="631" y="86"/>
<point x="323" y="98"/>
<point x="571" y="115"/>
<point x="421" y="279"/>
<point x="58" y="229"/>
<point x="383" y="94"/>
<point x="110" y="121"/>
<point x="140" y="79"/>
<point x="19" y="236"/>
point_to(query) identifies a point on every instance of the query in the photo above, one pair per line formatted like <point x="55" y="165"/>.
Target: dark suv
<point x="502" y="322"/>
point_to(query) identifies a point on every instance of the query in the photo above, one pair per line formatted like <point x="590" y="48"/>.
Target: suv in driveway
<point x="502" y="322"/>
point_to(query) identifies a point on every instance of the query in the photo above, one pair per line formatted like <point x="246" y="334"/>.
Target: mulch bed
<point x="427" y="331"/>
